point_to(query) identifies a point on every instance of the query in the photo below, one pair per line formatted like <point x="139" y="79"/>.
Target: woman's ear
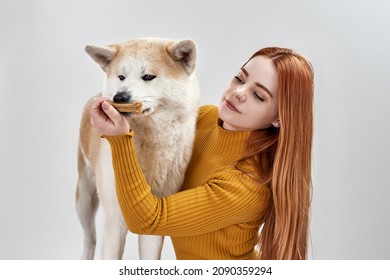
<point x="276" y="123"/>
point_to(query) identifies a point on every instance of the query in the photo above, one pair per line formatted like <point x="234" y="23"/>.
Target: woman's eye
<point x="121" y="77"/>
<point x="238" y="79"/>
<point x="258" y="96"/>
<point x="148" y="77"/>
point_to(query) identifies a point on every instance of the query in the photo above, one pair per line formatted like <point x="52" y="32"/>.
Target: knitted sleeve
<point x="227" y="198"/>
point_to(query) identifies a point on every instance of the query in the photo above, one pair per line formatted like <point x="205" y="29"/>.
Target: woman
<point x="250" y="168"/>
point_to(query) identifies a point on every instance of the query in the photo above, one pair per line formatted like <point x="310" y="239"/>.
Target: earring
<point x="276" y="124"/>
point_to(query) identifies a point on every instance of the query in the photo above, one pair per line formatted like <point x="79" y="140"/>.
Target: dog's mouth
<point x="145" y="112"/>
<point x="132" y="109"/>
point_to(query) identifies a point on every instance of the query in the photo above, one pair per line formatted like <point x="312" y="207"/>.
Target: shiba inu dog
<point x="160" y="73"/>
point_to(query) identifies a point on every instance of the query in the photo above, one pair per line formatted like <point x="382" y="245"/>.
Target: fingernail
<point x="105" y="105"/>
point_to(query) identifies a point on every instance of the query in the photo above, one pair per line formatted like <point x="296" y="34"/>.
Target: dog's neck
<point x="156" y="123"/>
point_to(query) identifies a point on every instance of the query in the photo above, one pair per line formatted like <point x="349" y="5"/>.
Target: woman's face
<point x="251" y="100"/>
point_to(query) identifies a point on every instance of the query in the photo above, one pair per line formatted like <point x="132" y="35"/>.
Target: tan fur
<point x="89" y="141"/>
<point x="162" y="61"/>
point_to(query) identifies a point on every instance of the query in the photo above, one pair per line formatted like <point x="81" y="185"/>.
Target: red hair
<point x="284" y="158"/>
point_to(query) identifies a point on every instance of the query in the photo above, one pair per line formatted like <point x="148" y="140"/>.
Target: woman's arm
<point x="228" y="198"/>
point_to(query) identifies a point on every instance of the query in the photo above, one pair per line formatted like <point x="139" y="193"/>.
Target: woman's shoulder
<point x="246" y="176"/>
<point x="242" y="186"/>
<point x="208" y="112"/>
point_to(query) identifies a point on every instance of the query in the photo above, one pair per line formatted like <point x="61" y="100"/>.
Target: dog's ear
<point x="185" y="52"/>
<point x="103" y="55"/>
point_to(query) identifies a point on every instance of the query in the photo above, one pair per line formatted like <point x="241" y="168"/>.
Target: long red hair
<point x="284" y="159"/>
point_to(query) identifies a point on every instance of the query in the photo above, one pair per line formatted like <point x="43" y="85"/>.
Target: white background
<point x="46" y="77"/>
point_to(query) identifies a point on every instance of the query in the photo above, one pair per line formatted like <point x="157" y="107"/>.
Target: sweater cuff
<point x="108" y="137"/>
<point x="120" y="142"/>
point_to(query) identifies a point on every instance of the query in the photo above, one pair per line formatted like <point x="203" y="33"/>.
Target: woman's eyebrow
<point x="257" y="83"/>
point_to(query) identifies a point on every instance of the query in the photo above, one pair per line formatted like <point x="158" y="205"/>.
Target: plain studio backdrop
<point x="46" y="77"/>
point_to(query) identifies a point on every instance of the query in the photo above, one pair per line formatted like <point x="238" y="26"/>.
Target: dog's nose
<point x="122" y="97"/>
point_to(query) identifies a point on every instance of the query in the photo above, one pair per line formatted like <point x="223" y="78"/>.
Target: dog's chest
<point x="163" y="156"/>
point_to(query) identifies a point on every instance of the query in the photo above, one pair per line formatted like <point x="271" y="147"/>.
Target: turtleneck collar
<point x="231" y="141"/>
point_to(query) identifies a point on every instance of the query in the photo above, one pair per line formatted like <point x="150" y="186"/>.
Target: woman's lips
<point x="231" y="106"/>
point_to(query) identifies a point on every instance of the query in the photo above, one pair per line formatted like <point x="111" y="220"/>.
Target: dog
<point x="161" y="74"/>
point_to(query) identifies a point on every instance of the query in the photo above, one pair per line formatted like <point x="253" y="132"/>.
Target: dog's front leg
<point x="150" y="246"/>
<point x="114" y="237"/>
<point x="87" y="203"/>
<point x="114" y="227"/>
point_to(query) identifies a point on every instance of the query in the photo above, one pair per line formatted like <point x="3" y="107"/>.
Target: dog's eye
<point x="121" y="77"/>
<point x="148" y="77"/>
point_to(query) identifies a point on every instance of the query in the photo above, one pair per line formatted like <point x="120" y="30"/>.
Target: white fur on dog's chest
<point x="165" y="155"/>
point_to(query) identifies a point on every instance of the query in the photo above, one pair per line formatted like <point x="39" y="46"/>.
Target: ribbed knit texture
<point x="217" y="213"/>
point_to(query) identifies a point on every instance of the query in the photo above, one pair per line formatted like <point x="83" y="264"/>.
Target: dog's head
<point x="157" y="72"/>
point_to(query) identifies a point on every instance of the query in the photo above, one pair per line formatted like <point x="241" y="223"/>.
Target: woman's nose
<point x="240" y="94"/>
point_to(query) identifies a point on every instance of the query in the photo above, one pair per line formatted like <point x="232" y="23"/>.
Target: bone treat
<point x="134" y="108"/>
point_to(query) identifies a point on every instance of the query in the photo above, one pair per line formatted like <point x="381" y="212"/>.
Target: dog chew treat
<point x="127" y="107"/>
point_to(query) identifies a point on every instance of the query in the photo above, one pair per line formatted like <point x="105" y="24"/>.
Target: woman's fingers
<point x="111" y="112"/>
<point x="106" y="119"/>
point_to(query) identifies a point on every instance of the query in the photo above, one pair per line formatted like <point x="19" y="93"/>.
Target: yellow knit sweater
<point x="217" y="213"/>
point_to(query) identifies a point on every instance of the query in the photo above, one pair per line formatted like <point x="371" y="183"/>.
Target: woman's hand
<point x="106" y="119"/>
